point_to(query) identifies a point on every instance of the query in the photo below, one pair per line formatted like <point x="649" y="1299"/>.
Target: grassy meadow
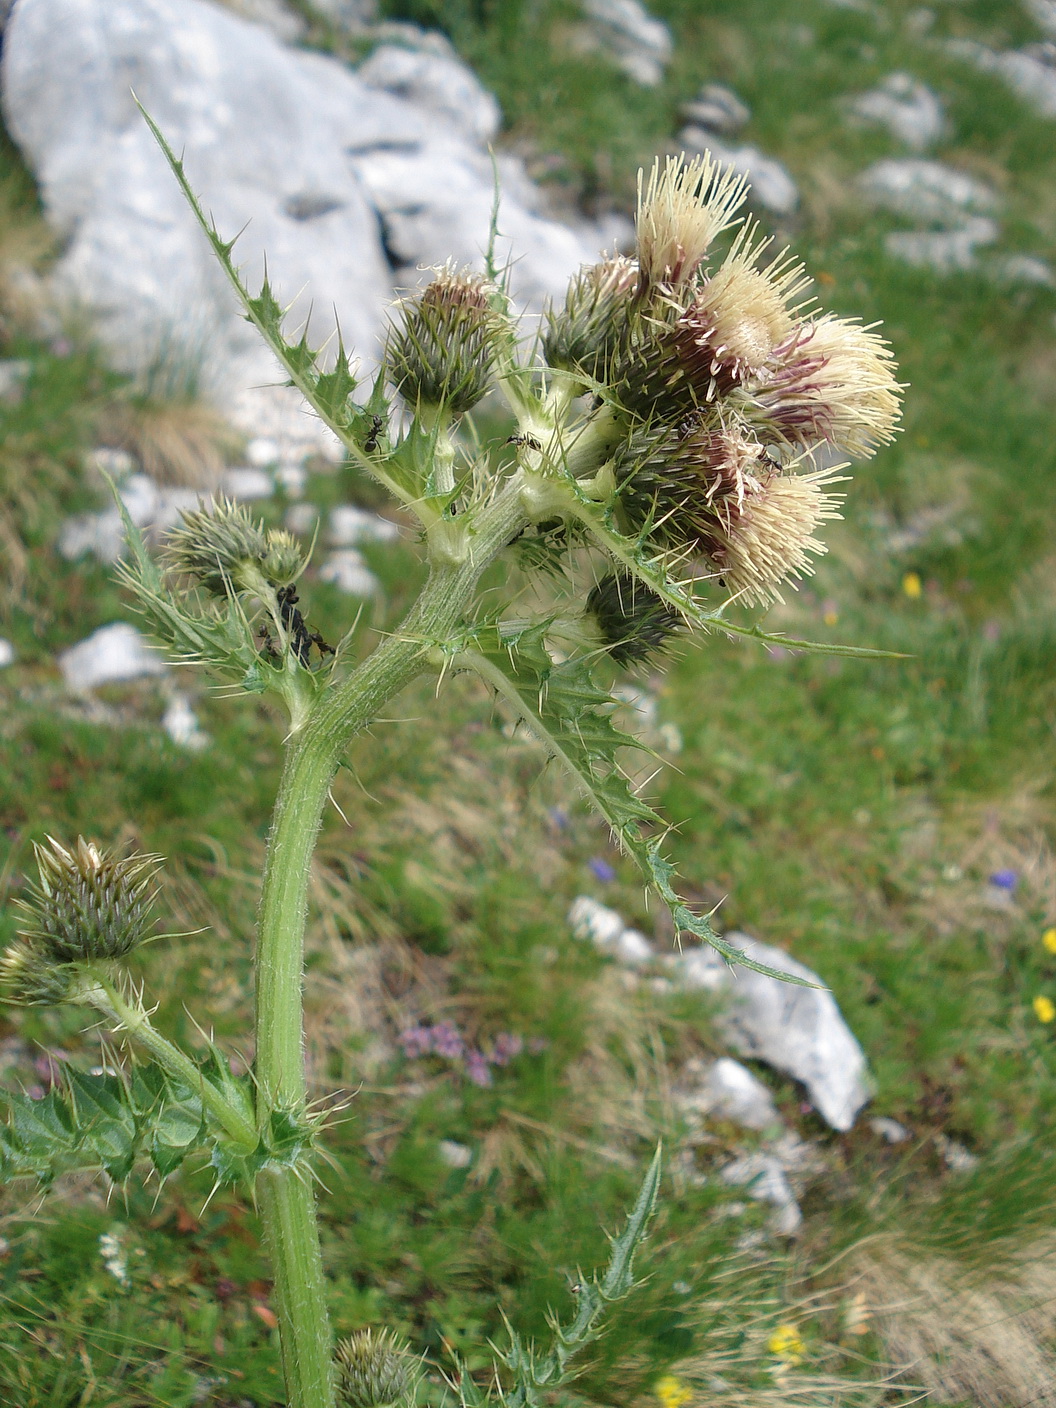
<point x="851" y="812"/>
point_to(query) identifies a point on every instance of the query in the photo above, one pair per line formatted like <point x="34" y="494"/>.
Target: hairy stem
<point x="313" y="754"/>
<point x="130" y="1020"/>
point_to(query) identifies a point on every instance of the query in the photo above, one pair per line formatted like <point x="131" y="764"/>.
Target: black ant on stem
<point x="301" y="638"/>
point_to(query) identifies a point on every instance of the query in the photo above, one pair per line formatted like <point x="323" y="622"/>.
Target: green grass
<point x="851" y="812"/>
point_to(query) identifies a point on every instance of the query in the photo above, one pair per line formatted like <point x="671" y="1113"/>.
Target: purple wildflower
<point x="447" y="1041"/>
<point x="477" y="1068"/>
<point x="558" y="818"/>
<point x="505" y="1047"/>
<point x="416" y="1041"/>
<point x="1004" y="879"/>
<point x="601" y="870"/>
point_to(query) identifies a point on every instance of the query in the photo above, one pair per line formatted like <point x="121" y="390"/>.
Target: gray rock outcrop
<point x="325" y="175"/>
<point x="909" y="110"/>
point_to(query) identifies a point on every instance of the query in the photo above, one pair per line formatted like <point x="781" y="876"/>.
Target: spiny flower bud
<point x="30" y="977"/>
<point x="583" y="335"/>
<point x="682" y="207"/>
<point x="283" y="562"/>
<point x="441" y="352"/>
<point x="769" y="537"/>
<point x="633" y="621"/>
<point x="89" y="903"/>
<point x="832" y="380"/>
<point x="373" y="1369"/>
<point x="215" y="546"/>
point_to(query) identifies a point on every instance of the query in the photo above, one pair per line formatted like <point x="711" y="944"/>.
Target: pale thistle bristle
<point x="770" y="539"/>
<point x="682" y="207"/>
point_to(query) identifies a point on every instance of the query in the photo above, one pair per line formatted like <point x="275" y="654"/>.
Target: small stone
<point x="764" y="1180"/>
<point x="1022" y="269"/>
<point x="1043" y="13"/>
<point x="302" y="518"/>
<point x="955" y="1156"/>
<point x="246" y="483"/>
<point x="728" y="1091"/>
<point x="14" y="373"/>
<point x="926" y="190"/>
<point x="889" y="1130"/>
<point x="263" y="453"/>
<point x="718" y="109"/>
<point x="608" y="932"/>
<point x="348" y="572"/>
<point x="640" y="44"/>
<point x="453" y="1154"/>
<point x="291" y="477"/>
<point x="908" y="109"/>
<point x="795" y="1029"/>
<point x="110" y="655"/>
<point x="181" y="724"/>
<point x="7" y="654"/>
<point x="103" y="533"/>
<point x="772" y="186"/>
<point x="349" y="526"/>
<point x="1030" y="73"/>
<point x="945" y="251"/>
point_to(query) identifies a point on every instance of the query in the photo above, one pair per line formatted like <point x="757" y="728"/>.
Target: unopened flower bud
<point x="373" y="1369"/>
<point x="30" y="976"/>
<point x="582" y="336"/>
<point x="284" y="561"/>
<point x="88" y="903"/>
<point x="441" y="350"/>
<point x="216" y="546"/>
<point x="634" y="623"/>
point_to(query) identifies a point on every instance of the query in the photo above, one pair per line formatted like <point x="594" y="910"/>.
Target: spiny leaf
<point x="572" y="716"/>
<point x="532" y="1372"/>
<point x="328" y="393"/>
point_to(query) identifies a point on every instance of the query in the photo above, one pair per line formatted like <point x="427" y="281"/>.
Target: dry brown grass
<point x="985" y="1337"/>
<point x="180" y="441"/>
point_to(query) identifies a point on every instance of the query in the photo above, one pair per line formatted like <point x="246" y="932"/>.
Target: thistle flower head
<point x="769" y="538"/>
<point x="88" y="903"/>
<point x="582" y="336"/>
<point x="682" y="207"/>
<point x="633" y="622"/>
<point x="441" y="349"/>
<point x="832" y="380"/>
<point x="741" y="314"/>
<point x="373" y="1369"/>
<point x="216" y="545"/>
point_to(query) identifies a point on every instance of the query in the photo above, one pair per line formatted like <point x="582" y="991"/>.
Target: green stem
<point x="313" y="754"/>
<point x="130" y="1019"/>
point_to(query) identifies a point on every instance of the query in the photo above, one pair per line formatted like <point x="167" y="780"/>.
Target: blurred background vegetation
<point x="851" y="812"/>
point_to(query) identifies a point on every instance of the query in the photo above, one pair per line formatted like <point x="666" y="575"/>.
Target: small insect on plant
<point x="667" y="417"/>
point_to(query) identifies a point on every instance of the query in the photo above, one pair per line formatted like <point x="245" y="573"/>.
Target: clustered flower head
<point x="374" y="1369"/>
<point x="87" y="905"/>
<point x="441" y="348"/>
<point x="445" y="1040"/>
<point x="722" y="383"/>
<point x="226" y="551"/>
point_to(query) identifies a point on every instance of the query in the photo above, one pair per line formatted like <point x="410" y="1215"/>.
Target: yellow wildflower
<point x="1044" y="1009"/>
<point x="1049" y="940"/>
<point x="672" y="1392"/>
<point x="912" y="585"/>
<point x="787" y="1343"/>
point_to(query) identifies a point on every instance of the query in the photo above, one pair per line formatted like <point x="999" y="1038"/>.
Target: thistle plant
<point x="662" y="471"/>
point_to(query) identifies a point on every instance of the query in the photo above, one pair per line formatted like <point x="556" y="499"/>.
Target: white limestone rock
<point x="113" y="654"/>
<point x="639" y="43"/>
<point x="608" y="932"/>
<point x="349" y="526"/>
<point x="150" y="507"/>
<point x="436" y="83"/>
<point x="945" y="251"/>
<point x="7" y="654"/>
<point x="246" y="484"/>
<point x="717" y="109"/>
<point x="797" y="1030"/>
<point x="180" y="722"/>
<point x="763" y="1178"/>
<point x="289" y="144"/>
<point x="725" y="1090"/>
<point x="347" y="570"/>
<point x="1043" y="13"/>
<point x="1030" y="72"/>
<point x="909" y="110"/>
<point x="889" y="1130"/>
<point x="928" y="191"/>
<point x="14" y="373"/>
<point x="772" y="186"/>
<point x="453" y="1154"/>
